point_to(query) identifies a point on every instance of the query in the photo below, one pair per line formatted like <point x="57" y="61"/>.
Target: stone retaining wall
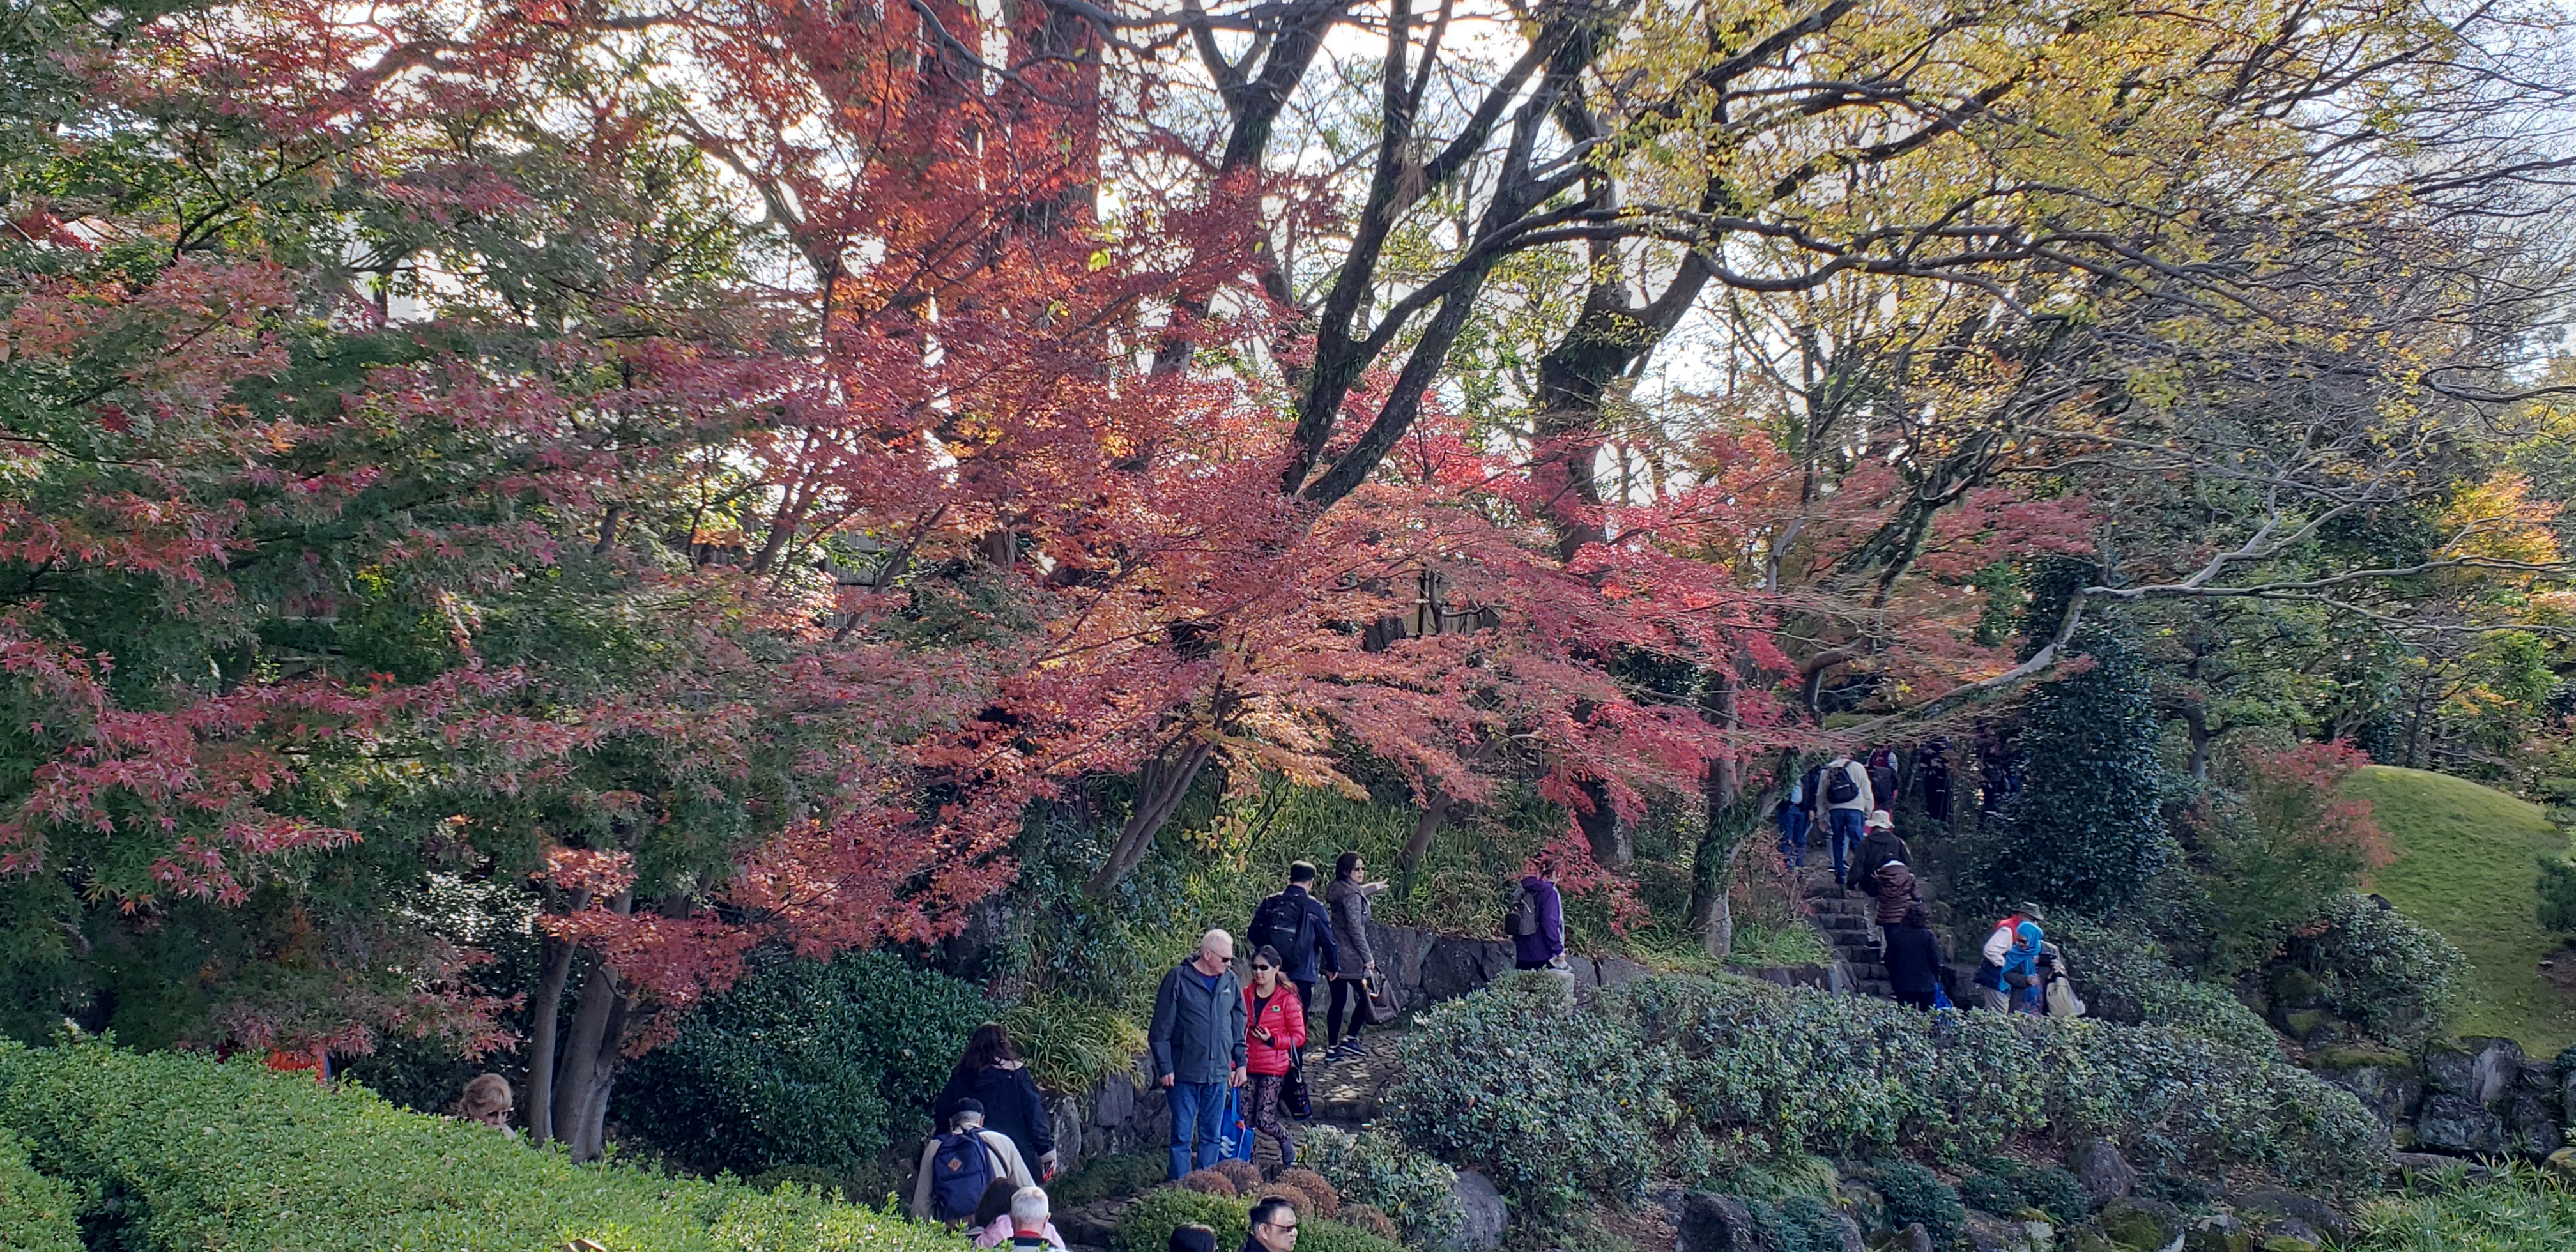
<point x="2482" y="1097"/>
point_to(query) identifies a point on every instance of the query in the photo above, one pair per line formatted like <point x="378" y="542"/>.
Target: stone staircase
<point x="1844" y="918"/>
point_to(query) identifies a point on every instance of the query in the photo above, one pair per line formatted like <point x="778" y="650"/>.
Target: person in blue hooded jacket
<point x="2021" y="970"/>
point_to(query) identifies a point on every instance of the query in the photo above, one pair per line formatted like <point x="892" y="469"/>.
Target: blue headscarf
<point x="2024" y="956"/>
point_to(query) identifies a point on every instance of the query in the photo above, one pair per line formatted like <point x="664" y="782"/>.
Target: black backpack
<point x="1839" y="787"/>
<point x="1282" y="924"/>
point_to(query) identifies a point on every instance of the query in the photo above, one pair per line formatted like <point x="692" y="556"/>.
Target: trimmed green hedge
<point x="1677" y="1077"/>
<point x="35" y="1211"/>
<point x="207" y="1155"/>
<point x="1147" y="1224"/>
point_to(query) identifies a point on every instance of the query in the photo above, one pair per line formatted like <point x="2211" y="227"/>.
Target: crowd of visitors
<point x="1230" y="1053"/>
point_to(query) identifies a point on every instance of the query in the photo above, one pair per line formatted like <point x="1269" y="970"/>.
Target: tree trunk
<point x="1425" y="825"/>
<point x="545" y="1013"/>
<point x="1160" y="788"/>
<point x="2195" y="721"/>
<point x="1602" y="829"/>
<point x="580" y="1111"/>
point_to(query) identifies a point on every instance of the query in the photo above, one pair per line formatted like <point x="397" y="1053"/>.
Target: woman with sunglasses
<point x="1274" y="1027"/>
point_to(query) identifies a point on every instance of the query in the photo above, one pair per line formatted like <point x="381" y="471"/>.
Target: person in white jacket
<point x="1001" y="1155"/>
<point x="1843" y="792"/>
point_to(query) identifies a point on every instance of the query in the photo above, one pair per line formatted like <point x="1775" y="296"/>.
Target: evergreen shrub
<point x="1915" y="1194"/>
<point x="1797" y="1224"/>
<point x="1147" y="1224"/>
<point x="2087" y="829"/>
<point x="36" y="1212"/>
<point x="1374" y="1168"/>
<point x="802" y="1063"/>
<point x="1552" y="1097"/>
<point x="203" y="1155"/>
<point x="2126" y="978"/>
<point x="2401" y="980"/>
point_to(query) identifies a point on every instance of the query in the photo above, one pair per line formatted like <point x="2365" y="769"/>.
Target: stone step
<point x="1844" y="922"/>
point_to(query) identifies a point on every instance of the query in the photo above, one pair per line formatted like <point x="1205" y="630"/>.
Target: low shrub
<point x="1797" y="1224"/>
<point x="234" y="1156"/>
<point x="36" y="1212"/>
<point x="1208" y="1182"/>
<point x="1376" y="1169"/>
<point x="1328" y="1199"/>
<point x="1243" y="1174"/>
<point x="2519" y="1209"/>
<point x="2402" y="981"/>
<point x="2053" y="1191"/>
<point x="1649" y="1077"/>
<point x="2127" y="978"/>
<point x="1554" y="1103"/>
<point x="802" y="1063"/>
<point x="1915" y="1194"/>
<point x="1991" y="1193"/>
<point x="1147" y="1224"/>
<point x="1371" y="1220"/>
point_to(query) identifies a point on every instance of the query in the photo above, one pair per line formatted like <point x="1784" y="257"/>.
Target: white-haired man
<point x="1025" y="1228"/>
<point x="1199" y="1048"/>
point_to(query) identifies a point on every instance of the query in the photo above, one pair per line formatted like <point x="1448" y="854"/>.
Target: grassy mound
<point x="2466" y="867"/>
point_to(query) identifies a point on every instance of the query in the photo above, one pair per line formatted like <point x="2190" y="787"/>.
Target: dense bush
<point x="233" y="1156"/>
<point x="2009" y="1187"/>
<point x="802" y="1063"/>
<point x="1915" y="1194"/>
<point x="2088" y="827"/>
<point x="2400" y="980"/>
<point x="1552" y="1097"/>
<point x="36" y="1212"/>
<point x="1376" y="1169"/>
<point x="2519" y="1210"/>
<point x="2126" y="978"/>
<point x="1553" y="1103"/>
<point x="2278" y="852"/>
<point x="1797" y="1224"/>
<point x="1147" y="1224"/>
<point x="2557" y="908"/>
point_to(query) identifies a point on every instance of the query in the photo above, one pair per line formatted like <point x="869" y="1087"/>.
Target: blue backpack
<point x="960" y="1172"/>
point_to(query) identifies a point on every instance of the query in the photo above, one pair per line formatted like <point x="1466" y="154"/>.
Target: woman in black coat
<point x="992" y="1074"/>
<point x="1913" y="957"/>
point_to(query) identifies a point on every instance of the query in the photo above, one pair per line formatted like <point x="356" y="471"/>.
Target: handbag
<point x="1235" y="1143"/>
<point x="1294" y="1099"/>
<point x="1381" y="1005"/>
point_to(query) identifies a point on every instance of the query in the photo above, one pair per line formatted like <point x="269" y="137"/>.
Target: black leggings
<point x="1356" y="992"/>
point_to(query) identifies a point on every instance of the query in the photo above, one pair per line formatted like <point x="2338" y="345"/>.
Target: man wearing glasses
<point x="1274" y="1226"/>
<point x="1199" y="1048"/>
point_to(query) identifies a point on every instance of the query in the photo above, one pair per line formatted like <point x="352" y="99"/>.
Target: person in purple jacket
<point x="1537" y="920"/>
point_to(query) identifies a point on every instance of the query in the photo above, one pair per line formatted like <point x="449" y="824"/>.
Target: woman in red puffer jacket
<point x="1274" y="1023"/>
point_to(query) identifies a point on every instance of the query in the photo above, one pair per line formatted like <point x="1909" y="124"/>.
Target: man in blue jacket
<point x="1198" y="1046"/>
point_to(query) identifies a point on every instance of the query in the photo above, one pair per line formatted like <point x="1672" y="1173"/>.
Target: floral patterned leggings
<point x="1264" y="1099"/>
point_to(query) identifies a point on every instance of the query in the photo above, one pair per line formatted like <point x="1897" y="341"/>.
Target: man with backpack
<point x="957" y="1168"/>
<point x="1537" y="920"/>
<point x="1298" y="926"/>
<point x="1843" y="792"/>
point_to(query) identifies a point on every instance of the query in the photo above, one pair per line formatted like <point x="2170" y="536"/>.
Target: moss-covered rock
<point x="2139" y="1224"/>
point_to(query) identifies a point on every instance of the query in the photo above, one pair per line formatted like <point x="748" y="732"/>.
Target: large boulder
<point x="2531" y="1125"/>
<point x="2140" y="1224"/>
<point x="2456" y="1123"/>
<point x="1117" y="1102"/>
<point x="2385" y="1082"/>
<point x="1482" y="1215"/>
<point x="1400" y="950"/>
<point x="2310" y="1211"/>
<point x="2221" y="1233"/>
<point x="1065" y="1120"/>
<point x="2495" y="1068"/>
<point x="2104" y="1172"/>
<point x="2450" y="1070"/>
<point x="1619" y="971"/>
<point x="1452" y="968"/>
<point x="1914" y="1238"/>
<point x="1715" y="1223"/>
<point x="1985" y="1232"/>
